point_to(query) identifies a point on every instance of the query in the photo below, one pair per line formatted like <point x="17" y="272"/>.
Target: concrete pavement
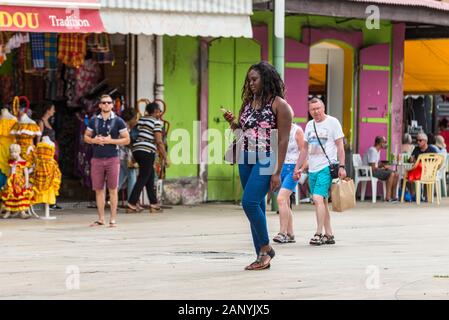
<point x="383" y="251"/>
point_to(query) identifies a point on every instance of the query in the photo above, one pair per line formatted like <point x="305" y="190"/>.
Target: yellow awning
<point x="426" y="66"/>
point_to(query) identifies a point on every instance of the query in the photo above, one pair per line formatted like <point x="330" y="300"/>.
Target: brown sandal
<point x="132" y="209"/>
<point x="258" y="264"/>
<point x="155" y="208"/>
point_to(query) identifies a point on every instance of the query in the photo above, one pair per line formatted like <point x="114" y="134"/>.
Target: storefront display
<point x="65" y="68"/>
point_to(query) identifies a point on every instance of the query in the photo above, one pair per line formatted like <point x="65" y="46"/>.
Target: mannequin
<point x="46" y="176"/>
<point x="26" y="130"/>
<point x="17" y="193"/>
<point x="7" y="122"/>
<point x="5" y="114"/>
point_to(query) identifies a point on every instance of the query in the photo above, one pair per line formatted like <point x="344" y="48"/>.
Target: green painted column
<point x="278" y="54"/>
<point x="279" y="36"/>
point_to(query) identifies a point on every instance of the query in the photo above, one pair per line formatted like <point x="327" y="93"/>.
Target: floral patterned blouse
<point x="256" y="126"/>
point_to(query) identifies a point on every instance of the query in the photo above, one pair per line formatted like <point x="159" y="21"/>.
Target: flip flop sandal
<point x="97" y="223"/>
<point x="254" y="265"/>
<point x="250" y="267"/>
<point x="112" y="224"/>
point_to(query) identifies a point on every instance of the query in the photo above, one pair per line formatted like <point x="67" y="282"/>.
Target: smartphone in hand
<point x="223" y="110"/>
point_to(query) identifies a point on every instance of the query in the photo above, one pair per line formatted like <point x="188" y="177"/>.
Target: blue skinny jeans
<point x="255" y="179"/>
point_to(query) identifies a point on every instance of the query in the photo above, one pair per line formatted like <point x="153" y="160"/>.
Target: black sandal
<point x="317" y="239"/>
<point x="97" y="223"/>
<point x="328" y="239"/>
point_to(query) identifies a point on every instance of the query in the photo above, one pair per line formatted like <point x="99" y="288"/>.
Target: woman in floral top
<point x="264" y="120"/>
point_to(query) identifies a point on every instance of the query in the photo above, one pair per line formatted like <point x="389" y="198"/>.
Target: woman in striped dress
<point x="148" y="142"/>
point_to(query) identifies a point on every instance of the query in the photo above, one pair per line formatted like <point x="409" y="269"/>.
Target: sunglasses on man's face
<point x="106" y="102"/>
<point x="419" y="140"/>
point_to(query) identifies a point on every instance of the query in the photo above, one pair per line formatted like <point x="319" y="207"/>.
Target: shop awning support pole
<point x="278" y="37"/>
<point x="278" y="52"/>
<point x="159" y="85"/>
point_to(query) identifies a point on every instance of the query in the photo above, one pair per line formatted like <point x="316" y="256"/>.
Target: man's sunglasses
<point x="106" y="102"/>
<point x="419" y="140"/>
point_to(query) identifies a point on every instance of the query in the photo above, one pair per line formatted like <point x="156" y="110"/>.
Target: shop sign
<point x="40" y="19"/>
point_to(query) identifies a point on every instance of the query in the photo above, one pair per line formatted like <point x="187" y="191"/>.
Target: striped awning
<point x="207" y="18"/>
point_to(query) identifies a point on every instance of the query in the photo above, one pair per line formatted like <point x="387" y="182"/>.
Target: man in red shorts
<point x="106" y="132"/>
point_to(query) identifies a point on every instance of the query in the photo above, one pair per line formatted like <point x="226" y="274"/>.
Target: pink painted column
<point x="397" y="97"/>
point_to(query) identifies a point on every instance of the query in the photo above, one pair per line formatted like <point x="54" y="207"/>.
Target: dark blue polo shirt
<point x="105" y="129"/>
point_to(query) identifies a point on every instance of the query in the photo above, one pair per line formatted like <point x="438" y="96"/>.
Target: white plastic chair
<point x="441" y="177"/>
<point x="364" y="174"/>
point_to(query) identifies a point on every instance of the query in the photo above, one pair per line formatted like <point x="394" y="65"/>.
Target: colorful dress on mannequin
<point x="15" y="195"/>
<point x="7" y="122"/>
<point x="25" y="131"/>
<point x="46" y="176"/>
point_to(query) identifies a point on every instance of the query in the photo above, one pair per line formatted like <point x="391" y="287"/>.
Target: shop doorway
<point x="228" y="62"/>
<point x="331" y="71"/>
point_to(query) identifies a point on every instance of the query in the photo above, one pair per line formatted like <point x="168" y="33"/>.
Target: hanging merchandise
<point x="37" y="49"/>
<point x="46" y="176"/>
<point x="51" y="51"/>
<point x="99" y="42"/>
<point x="6" y="89"/>
<point x="101" y="47"/>
<point x="70" y="81"/>
<point x="87" y="77"/>
<point x="60" y="81"/>
<point x="25" y="130"/>
<point x="72" y="49"/>
<point x="34" y="86"/>
<point x="51" y="64"/>
<point x="18" y="57"/>
<point x="16" y="41"/>
<point x="2" y="50"/>
<point x="7" y="123"/>
<point x="28" y="59"/>
<point x="83" y="155"/>
<point x="3" y="42"/>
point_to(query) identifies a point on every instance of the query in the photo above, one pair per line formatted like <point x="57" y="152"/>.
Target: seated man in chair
<point x="380" y="169"/>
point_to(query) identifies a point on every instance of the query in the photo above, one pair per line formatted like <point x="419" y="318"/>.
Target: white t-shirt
<point x="292" y="150"/>
<point x="371" y="156"/>
<point x="328" y="130"/>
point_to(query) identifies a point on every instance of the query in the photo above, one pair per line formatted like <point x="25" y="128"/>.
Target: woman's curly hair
<point x="272" y="84"/>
